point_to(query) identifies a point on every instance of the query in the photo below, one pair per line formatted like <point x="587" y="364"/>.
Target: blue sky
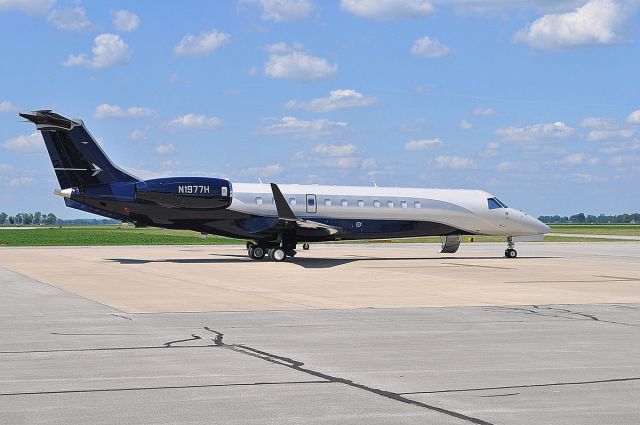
<point x="536" y="101"/>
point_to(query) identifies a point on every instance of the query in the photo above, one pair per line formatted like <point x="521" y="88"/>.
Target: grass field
<point x="598" y="229"/>
<point x="105" y="235"/>
<point x="125" y="235"/>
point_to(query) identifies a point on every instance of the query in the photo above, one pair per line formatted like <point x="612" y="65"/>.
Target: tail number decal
<point x="194" y="189"/>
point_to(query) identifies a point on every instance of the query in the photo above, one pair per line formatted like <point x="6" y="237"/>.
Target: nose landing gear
<point x="510" y="252"/>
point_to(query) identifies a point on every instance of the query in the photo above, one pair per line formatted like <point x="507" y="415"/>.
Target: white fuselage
<point x="467" y="210"/>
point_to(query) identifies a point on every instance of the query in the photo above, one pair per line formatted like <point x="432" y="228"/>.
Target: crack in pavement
<point x="556" y="312"/>
<point x="164" y="387"/>
<point x="298" y="366"/>
<point x="508" y="387"/>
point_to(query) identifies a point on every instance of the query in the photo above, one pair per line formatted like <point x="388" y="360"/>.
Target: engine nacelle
<point x="197" y="193"/>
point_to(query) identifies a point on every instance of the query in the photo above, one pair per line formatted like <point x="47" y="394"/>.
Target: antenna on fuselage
<point x="374" y="183"/>
<point x="260" y="180"/>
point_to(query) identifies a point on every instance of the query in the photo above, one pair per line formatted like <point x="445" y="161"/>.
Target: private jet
<point x="272" y="218"/>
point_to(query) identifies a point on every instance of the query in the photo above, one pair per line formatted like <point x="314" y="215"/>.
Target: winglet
<point x="283" y="208"/>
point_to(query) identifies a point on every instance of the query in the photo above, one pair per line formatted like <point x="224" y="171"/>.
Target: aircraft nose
<point x="536" y="225"/>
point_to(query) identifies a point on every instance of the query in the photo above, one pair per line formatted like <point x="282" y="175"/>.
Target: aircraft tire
<point x="277" y="254"/>
<point x="257" y="253"/>
<point x="510" y="253"/>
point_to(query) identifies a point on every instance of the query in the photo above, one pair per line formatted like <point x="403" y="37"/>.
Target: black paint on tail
<point x="77" y="158"/>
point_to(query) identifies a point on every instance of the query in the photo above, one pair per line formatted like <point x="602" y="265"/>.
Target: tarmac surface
<point x="349" y="334"/>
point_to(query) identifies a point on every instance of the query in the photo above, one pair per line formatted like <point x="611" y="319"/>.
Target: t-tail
<point x="90" y="182"/>
<point x="77" y="159"/>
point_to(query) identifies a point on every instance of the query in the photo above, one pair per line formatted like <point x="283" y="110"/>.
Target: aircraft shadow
<point x="308" y="263"/>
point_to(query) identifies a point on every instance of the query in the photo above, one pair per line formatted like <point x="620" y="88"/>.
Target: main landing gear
<point x="274" y="253"/>
<point x="510" y="252"/>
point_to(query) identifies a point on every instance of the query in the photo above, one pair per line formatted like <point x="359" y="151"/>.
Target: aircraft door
<point x="312" y="205"/>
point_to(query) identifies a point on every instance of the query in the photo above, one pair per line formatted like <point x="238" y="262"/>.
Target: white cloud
<point x="138" y="135"/>
<point x="165" y="149"/>
<point x="337" y="99"/>
<point x="465" y="125"/>
<point x="580" y="158"/>
<point x="423" y="144"/>
<point x="484" y="112"/>
<point x="509" y="166"/>
<point x="125" y="21"/>
<point x="6" y="168"/>
<point x="429" y="48"/>
<point x="201" y="44"/>
<point x="455" y="162"/>
<point x="336" y="150"/>
<point x="340" y="162"/>
<point x="25" y="143"/>
<point x="283" y="10"/>
<point x="491" y="150"/>
<point x="113" y="111"/>
<point x="599" y="123"/>
<point x="266" y="171"/>
<point x="70" y="19"/>
<point x="387" y="9"/>
<point x="600" y="135"/>
<point x="494" y="7"/>
<point x="536" y="133"/>
<point x="292" y="63"/>
<point x="622" y="160"/>
<point x="109" y="50"/>
<point x="6" y="106"/>
<point x="369" y="163"/>
<point x="598" y="22"/>
<point x="195" y="121"/>
<point x="634" y="117"/>
<point x="20" y="181"/>
<point x="301" y="129"/>
<point x="32" y="7"/>
<point x="588" y="178"/>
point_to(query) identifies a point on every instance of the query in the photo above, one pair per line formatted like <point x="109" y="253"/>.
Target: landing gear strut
<point x="510" y="252"/>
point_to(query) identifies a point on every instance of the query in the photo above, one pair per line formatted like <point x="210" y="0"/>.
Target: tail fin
<point x="76" y="157"/>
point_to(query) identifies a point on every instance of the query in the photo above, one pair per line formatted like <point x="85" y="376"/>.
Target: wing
<point x="288" y="222"/>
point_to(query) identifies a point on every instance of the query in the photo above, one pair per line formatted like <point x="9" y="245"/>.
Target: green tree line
<point x="37" y="218"/>
<point x="592" y="219"/>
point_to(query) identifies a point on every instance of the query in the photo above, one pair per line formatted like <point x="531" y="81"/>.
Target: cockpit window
<point x="495" y="203"/>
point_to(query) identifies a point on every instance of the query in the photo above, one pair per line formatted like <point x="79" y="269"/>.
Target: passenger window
<point x="416" y="204"/>
<point x="376" y="204"/>
<point x="403" y="204"/>
<point x="327" y="202"/>
<point x="493" y="204"/>
<point x="259" y="200"/>
<point x="360" y="203"/>
<point x="344" y="203"/>
<point x="389" y="204"/>
<point x="292" y="201"/>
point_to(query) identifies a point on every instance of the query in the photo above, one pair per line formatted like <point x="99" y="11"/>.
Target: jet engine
<point x="195" y="193"/>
